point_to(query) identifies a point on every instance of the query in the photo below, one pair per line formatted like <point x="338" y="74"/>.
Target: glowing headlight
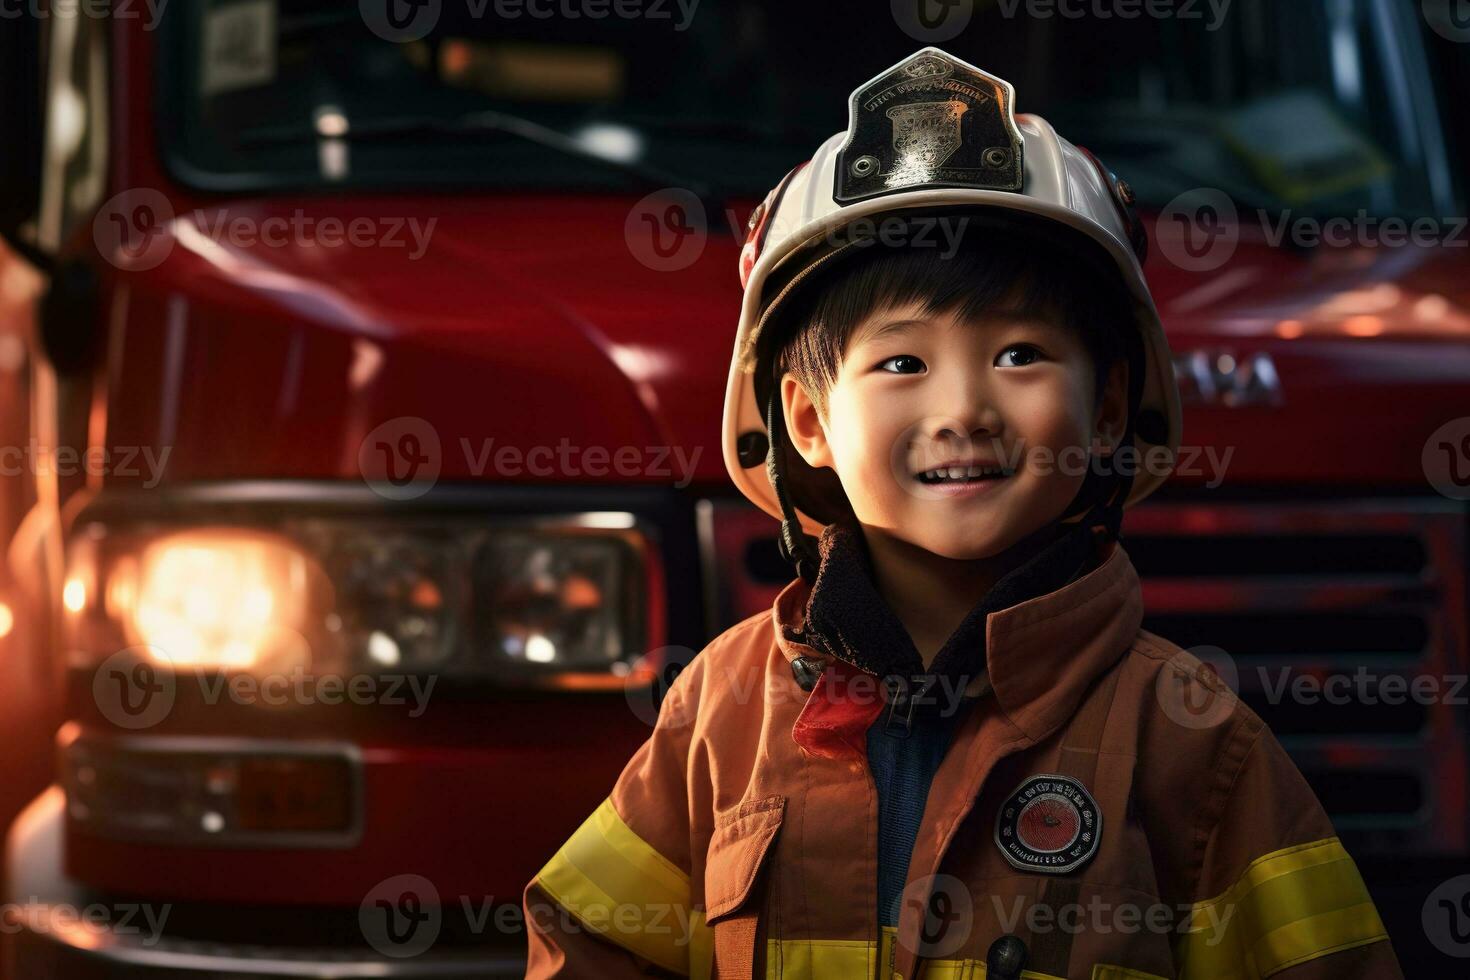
<point x="222" y="599"/>
<point x="229" y="599"/>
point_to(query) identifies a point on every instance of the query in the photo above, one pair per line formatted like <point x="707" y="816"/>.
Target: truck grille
<point x="1316" y="603"/>
<point x="1346" y="624"/>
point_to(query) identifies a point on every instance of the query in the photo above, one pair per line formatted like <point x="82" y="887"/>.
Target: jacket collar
<point x="847" y="617"/>
<point x="1041" y="653"/>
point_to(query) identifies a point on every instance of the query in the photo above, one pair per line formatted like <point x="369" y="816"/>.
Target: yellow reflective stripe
<point x="619" y="886"/>
<point x="1107" y="971"/>
<point x="1289" y="906"/>
<point x="843" y="959"/>
<point x="820" y="959"/>
<point x="1329" y="932"/>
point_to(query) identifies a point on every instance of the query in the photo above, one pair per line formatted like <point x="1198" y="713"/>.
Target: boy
<point x="950" y="750"/>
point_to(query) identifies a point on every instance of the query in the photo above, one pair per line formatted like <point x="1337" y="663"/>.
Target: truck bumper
<point x="46" y="934"/>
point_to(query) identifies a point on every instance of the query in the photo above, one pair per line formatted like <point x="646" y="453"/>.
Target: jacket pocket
<point x="733" y="911"/>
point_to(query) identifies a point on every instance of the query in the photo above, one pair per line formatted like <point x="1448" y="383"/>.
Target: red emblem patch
<point x="1049" y="824"/>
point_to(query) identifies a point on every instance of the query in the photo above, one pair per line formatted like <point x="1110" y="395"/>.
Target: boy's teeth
<point x="961" y="473"/>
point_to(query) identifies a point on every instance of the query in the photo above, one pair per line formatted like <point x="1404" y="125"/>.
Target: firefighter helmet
<point x="932" y="133"/>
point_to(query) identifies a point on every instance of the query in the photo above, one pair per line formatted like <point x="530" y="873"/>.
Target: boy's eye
<point x="903" y="364"/>
<point x="1018" y="355"/>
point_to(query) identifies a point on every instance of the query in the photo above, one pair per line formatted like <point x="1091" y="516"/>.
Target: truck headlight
<point x="397" y="597"/>
<point x="219" y="599"/>
<point x="208" y="598"/>
<point x="556" y="600"/>
<point x="514" y="602"/>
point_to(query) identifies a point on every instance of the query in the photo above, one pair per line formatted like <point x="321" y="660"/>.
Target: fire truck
<point x="362" y="371"/>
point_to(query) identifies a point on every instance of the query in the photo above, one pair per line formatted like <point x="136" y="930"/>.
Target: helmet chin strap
<point x="1106" y="507"/>
<point x="1107" y="512"/>
<point x="795" y="544"/>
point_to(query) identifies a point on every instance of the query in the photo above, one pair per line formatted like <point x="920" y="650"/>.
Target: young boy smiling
<point x="949" y="747"/>
<point x="956" y="400"/>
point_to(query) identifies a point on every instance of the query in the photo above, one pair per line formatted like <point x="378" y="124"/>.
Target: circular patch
<point x="1049" y="824"/>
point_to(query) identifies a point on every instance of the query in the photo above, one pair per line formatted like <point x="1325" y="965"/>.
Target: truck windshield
<point x="1278" y="104"/>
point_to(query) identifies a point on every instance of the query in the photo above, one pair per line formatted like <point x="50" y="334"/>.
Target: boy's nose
<point x="963" y="410"/>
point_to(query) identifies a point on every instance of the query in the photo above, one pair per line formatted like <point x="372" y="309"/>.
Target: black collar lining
<point x="846" y="616"/>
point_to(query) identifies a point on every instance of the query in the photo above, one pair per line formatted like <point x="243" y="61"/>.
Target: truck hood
<point x="499" y="326"/>
<point x="1325" y="368"/>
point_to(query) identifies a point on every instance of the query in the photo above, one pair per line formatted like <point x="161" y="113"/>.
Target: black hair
<point x="1019" y="266"/>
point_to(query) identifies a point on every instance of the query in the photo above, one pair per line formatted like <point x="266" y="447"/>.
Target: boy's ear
<point x="1112" y="411"/>
<point x="804" y="429"/>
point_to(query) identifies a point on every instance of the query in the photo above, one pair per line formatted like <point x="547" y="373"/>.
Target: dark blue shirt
<point x="902" y="770"/>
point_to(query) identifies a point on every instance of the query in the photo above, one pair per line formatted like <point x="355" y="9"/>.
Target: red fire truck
<point x="363" y="479"/>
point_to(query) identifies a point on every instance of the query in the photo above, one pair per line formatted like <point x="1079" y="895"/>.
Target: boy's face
<point x="918" y="391"/>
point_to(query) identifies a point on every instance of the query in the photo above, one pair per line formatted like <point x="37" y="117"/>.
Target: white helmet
<point x="931" y="132"/>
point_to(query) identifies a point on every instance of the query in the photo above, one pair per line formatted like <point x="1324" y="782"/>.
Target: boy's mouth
<point x="963" y="473"/>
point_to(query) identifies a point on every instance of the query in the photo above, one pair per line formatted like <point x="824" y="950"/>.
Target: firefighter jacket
<point x="1106" y="809"/>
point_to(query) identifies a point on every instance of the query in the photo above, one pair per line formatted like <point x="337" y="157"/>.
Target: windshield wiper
<point x="487" y="121"/>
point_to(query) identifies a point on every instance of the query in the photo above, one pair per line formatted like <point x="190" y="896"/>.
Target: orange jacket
<point x="740" y="840"/>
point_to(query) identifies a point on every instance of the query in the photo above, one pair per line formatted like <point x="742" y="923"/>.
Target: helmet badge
<point x="930" y="120"/>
